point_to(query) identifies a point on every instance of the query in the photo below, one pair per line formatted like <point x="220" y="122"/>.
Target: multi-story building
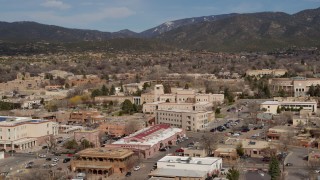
<point x="179" y="96"/>
<point x="119" y="99"/>
<point x="148" y="141"/>
<point x="177" y="167"/>
<point x="188" y="120"/>
<point x="91" y="116"/>
<point x="21" y="133"/>
<point x="120" y="127"/>
<point x="150" y="108"/>
<point x="103" y="161"/>
<point x="24" y="82"/>
<point x="296" y="86"/>
<point x="273" y="106"/>
<point x="263" y="72"/>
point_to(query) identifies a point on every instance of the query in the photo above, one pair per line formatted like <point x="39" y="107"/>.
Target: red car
<point x="179" y="150"/>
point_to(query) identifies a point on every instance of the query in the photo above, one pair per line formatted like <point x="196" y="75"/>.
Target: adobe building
<point x="148" y="141"/>
<point x="296" y="86"/>
<point x="88" y="116"/>
<point x="24" y="82"/>
<point x="90" y="135"/>
<point x="263" y="72"/>
<point x="103" y="162"/>
<point x="185" y="119"/>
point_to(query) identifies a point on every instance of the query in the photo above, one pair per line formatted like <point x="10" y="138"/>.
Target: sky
<point x="136" y="15"/>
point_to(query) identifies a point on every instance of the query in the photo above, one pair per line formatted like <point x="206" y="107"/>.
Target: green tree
<point x="112" y="90"/>
<point x="127" y="106"/>
<point x="137" y="93"/>
<point x="274" y="168"/>
<point x="282" y="93"/>
<point x="72" y="144"/>
<point x="42" y="101"/>
<point x="233" y="174"/>
<point x="137" y="78"/>
<point x="166" y="88"/>
<point x="228" y="95"/>
<point x="67" y="86"/>
<point x="311" y="91"/>
<point x="86" y="144"/>
<point x="121" y="87"/>
<point x="217" y="111"/>
<point x="145" y="86"/>
<point x="278" y="110"/>
<point x="95" y="93"/>
<point x="104" y="91"/>
<point x="240" y="150"/>
<point x="186" y="86"/>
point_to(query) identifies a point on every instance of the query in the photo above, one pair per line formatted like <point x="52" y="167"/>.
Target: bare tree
<point x="41" y="174"/>
<point x="131" y="127"/>
<point x="312" y="167"/>
<point x="210" y="141"/>
<point x="51" y="143"/>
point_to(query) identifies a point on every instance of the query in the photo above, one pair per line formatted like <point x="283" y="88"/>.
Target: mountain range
<point x="228" y="32"/>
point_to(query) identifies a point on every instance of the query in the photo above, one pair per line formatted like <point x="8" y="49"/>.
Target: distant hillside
<point x="246" y="32"/>
<point x="229" y="32"/>
<point x="171" y="25"/>
<point x="32" y="31"/>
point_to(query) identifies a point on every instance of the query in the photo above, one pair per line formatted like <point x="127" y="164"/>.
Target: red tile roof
<point x="151" y="130"/>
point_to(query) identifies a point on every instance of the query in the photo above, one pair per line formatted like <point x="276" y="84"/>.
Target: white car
<point x="236" y="134"/>
<point x="53" y="164"/>
<point x="136" y="168"/>
<point x="55" y="159"/>
<point x="42" y="156"/>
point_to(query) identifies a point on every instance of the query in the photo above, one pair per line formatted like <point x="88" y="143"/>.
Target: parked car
<point x="55" y="159"/>
<point x="48" y="159"/>
<point x="289" y="164"/>
<point x="136" y="168"/>
<point x="12" y="151"/>
<point x="66" y="160"/>
<point x="266" y="159"/>
<point x="236" y="134"/>
<point x="128" y="174"/>
<point x="224" y="171"/>
<point x="53" y="164"/>
<point x="42" y="155"/>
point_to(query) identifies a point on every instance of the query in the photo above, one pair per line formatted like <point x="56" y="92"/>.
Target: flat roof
<point x="150" y="135"/>
<point x="190" y="160"/>
<point x="13" y="121"/>
<point x="182" y="111"/>
<point x="297" y="102"/>
<point x="106" y="152"/>
<point x="270" y="103"/>
<point x="178" y="173"/>
<point x="248" y="143"/>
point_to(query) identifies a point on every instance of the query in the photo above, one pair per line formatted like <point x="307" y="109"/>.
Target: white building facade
<point x="187" y="167"/>
<point x="19" y="133"/>
<point x="185" y="119"/>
